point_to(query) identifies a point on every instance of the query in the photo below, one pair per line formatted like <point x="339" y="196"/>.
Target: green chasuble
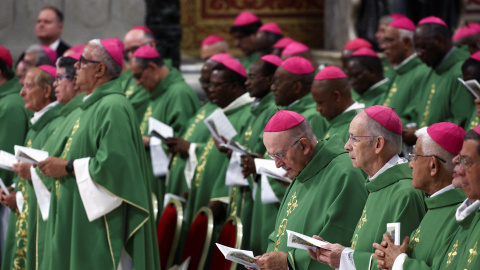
<point x="307" y="107"/>
<point x="376" y="94"/>
<point x="469" y="257"/>
<point x="195" y="132"/>
<point x="21" y="250"/>
<point x="391" y="199"/>
<point x="247" y="61"/>
<point x="445" y="98"/>
<point x="411" y="78"/>
<point x="325" y="199"/>
<point x="388" y="72"/>
<point x="436" y="227"/>
<point x="136" y="94"/>
<point x="473" y="121"/>
<point x="13" y="121"/>
<point x="464" y="52"/>
<point x="118" y="165"/>
<point x="340" y="125"/>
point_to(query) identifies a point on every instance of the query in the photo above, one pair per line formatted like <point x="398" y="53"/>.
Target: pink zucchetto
<point x="386" y="117"/>
<point x="476" y="56"/>
<point x="212" y="39"/>
<point x="283" y="120"/>
<point x="235" y="66"/>
<point x="118" y="41"/>
<point x="294" y="48"/>
<point x="403" y="23"/>
<point x="51" y="54"/>
<point x="397" y="16"/>
<point x="432" y="19"/>
<point x="283" y="42"/>
<point x="75" y="56"/>
<point x="448" y="135"/>
<point x="6" y="56"/>
<point x="330" y="73"/>
<point x="114" y="50"/>
<point x="78" y="48"/>
<point x="365" y="52"/>
<point x="466" y="31"/>
<point x="272" y="59"/>
<point x="298" y="65"/>
<point x="146" y="52"/>
<point x="49" y="69"/>
<point x="475" y="26"/>
<point x="271" y="27"/>
<point x="144" y="28"/>
<point x="219" y="57"/>
<point x="357" y="43"/>
<point x="245" y="18"/>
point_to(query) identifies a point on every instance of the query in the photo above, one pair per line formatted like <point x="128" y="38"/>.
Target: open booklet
<point x="219" y="125"/>
<point x="234" y="146"/>
<point x="472" y="86"/>
<point x="159" y="129"/>
<point x="268" y="168"/>
<point x="301" y="241"/>
<point x="7" y="160"/>
<point x="29" y="155"/>
<point x="244" y="257"/>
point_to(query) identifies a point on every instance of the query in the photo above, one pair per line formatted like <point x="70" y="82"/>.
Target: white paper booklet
<point x="219" y="125"/>
<point x="244" y="257"/>
<point x="29" y="155"/>
<point x="159" y="129"/>
<point x="393" y="230"/>
<point x="268" y="168"/>
<point x="234" y="146"/>
<point x="301" y="241"/>
<point x="472" y="86"/>
<point x="7" y="160"/>
<point x="2" y="185"/>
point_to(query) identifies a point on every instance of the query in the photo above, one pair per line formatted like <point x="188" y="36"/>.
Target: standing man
<point x="471" y="71"/>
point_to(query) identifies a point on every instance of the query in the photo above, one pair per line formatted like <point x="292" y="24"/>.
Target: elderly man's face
<point x="421" y="169"/>
<point x="34" y="97"/>
<point x="48" y="26"/>
<point x="467" y="169"/>
<point x="361" y="150"/>
<point x="133" y="40"/>
<point x="380" y="34"/>
<point x="394" y="48"/>
<point x="86" y="67"/>
<point x="282" y="87"/>
<point x="256" y="84"/>
<point x="287" y="152"/>
<point x="65" y="90"/>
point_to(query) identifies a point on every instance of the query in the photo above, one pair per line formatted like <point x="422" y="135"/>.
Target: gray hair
<point x="404" y="33"/>
<point x="393" y="141"/>
<point x="385" y="19"/>
<point x="42" y="57"/>
<point x="430" y="147"/>
<point x="113" y="68"/>
<point x="303" y="130"/>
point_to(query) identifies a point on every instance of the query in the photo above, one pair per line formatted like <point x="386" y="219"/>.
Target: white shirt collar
<point x="466" y="208"/>
<point x="54" y="45"/>
<point x="40" y="113"/>
<point x="405" y="61"/>
<point x="395" y="160"/>
<point x="241" y="100"/>
<point x="443" y="190"/>
<point x="293" y="103"/>
<point x="355" y="106"/>
<point x="87" y="96"/>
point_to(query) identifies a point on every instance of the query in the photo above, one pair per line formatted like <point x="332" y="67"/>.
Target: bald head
<point x="332" y="97"/>
<point x="134" y="39"/>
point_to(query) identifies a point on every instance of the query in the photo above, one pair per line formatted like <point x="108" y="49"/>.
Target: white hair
<point x="404" y="33"/>
<point x="113" y="68"/>
<point x="430" y="147"/>
<point x="42" y="57"/>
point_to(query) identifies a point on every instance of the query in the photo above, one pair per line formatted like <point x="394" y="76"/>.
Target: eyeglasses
<point x="84" y="61"/>
<point x="465" y="163"/>
<point x="281" y="156"/>
<point x="58" y="78"/>
<point x="132" y="50"/>
<point x="353" y="139"/>
<point x="414" y="157"/>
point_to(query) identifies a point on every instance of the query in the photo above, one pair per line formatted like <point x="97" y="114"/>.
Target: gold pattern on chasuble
<point x="291" y="205"/>
<point x="203" y="161"/>
<point x="233" y="202"/>
<point x="361" y="222"/>
<point x="129" y="91"/>
<point x="248" y="134"/>
<point x="427" y="108"/>
<point x="21" y="226"/>
<point x="474" y="122"/>
<point x="452" y="254"/>
<point x="415" y="239"/>
<point x="143" y="126"/>
<point x="473" y="253"/>
<point x="65" y="152"/>
<point x="392" y="92"/>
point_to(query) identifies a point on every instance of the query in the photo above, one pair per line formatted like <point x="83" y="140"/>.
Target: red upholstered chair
<point x="198" y="239"/>
<point x="230" y="236"/>
<point x="168" y="232"/>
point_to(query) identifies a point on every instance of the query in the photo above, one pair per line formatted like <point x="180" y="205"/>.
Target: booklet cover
<point x="472" y="86"/>
<point x="301" y="241"/>
<point x="393" y="230"/>
<point x="7" y="160"/>
<point x="219" y="125"/>
<point x="243" y="257"/>
<point x="29" y="155"/>
<point x="159" y="129"/>
<point x="268" y="168"/>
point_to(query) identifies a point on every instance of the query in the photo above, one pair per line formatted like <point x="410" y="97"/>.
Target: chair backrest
<point x="230" y="236"/>
<point x="198" y="239"/>
<point x="168" y="232"/>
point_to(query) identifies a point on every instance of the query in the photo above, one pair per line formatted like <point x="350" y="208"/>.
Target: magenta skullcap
<point x="146" y="52"/>
<point x="283" y="120"/>
<point x="476" y="56"/>
<point x="219" y="57"/>
<point x="386" y="117"/>
<point x="112" y="48"/>
<point x="397" y="16"/>
<point x="466" y="31"/>
<point x="272" y="59"/>
<point x="403" y="23"/>
<point x="49" y="69"/>
<point x="298" y="65"/>
<point x="6" y="56"/>
<point x="365" y="52"/>
<point x="78" y="48"/>
<point x="474" y="26"/>
<point x="51" y="54"/>
<point x="432" y="19"/>
<point x="144" y="28"/>
<point x="448" y="135"/>
<point x="357" y="43"/>
<point x="75" y="56"/>
<point x="235" y="66"/>
<point x="271" y="27"/>
<point x="245" y="18"/>
<point x="282" y="43"/>
<point x="212" y="39"/>
<point x="118" y="41"/>
<point x="330" y="73"/>
<point x="294" y="48"/>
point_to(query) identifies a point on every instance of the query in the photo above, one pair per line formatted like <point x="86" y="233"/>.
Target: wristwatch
<point x="69" y="167"/>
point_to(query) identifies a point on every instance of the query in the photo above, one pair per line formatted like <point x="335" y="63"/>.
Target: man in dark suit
<point x="48" y="29"/>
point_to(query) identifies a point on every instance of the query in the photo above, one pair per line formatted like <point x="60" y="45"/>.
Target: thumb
<point x="406" y="240"/>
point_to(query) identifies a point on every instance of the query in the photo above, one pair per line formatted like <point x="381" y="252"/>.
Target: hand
<point x="330" y="255"/>
<point x="386" y="252"/>
<point x="273" y="260"/>
<point x="178" y="145"/>
<point x="477" y="101"/>
<point x="53" y="167"/>
<point x="408" y="135"/>
<point x="10" y="200"/>
<point x="251" y="268"/>
<point x="146" y="141"/>
<point x="248" y="166"/>
<point x="221" y="148"/>
<point x="23" y="170"/>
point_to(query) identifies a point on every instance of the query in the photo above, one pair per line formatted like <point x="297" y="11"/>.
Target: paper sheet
<point x="159" y="129"/>
<point x="29" y="155"/>
<point x="160" y="160"/>
<point x="234" y="175"/>
<point x="268" y="168"/>
<point x="244" y="257"/>
<point x="5" y="189"/>
<point x="472" y="86"/>
<point x="219" y="125"/>
<point x="7" y="160"/>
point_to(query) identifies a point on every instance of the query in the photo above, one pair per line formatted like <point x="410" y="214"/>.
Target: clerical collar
<point x="87" y="96"/>
<point x="466" y="208"/>
<point x="378" y="83"/>
<point x="241" y="100"/>
<point x="405" y="61"/>
<point x="355" y="106"/>
<point x="395" y="160"/>
<point x="40" y="113"/>
<point x="446" y="56"/>
<point x="293" y="103"/>
<point x="443" y="190"/>
<point x="256" y="102"/>
<point x="54" y="45"/>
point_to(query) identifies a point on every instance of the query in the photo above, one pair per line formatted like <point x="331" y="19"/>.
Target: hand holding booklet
<point x="244" y="257"/>
<point x="298" y="240"/>
<point x="7" y="160"/>
<point x="29" y="155"/>
<point x="219" y="125"/>
<point x="159" y="129"/>
<point x="268" y="168"/>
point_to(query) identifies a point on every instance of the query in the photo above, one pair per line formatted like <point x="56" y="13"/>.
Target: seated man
<point x="267" y="35"/>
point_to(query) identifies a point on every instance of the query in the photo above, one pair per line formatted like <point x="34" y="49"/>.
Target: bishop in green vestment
<point x="243" y="31"/>
<point x="471" y="71"/>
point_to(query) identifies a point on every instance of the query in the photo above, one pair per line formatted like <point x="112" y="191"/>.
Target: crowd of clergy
<point x="375" y="141"/>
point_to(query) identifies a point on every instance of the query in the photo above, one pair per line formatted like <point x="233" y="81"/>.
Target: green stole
<point x="307" y="107"/>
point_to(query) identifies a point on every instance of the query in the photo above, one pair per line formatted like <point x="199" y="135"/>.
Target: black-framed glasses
<point x="83" y="61"/>
<point x="281" y="155"/>
<point x="414" y="157"/>
<point x="59" y="77"/>
<point x="353" y="139"/>
<point x="464" y="162"/>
